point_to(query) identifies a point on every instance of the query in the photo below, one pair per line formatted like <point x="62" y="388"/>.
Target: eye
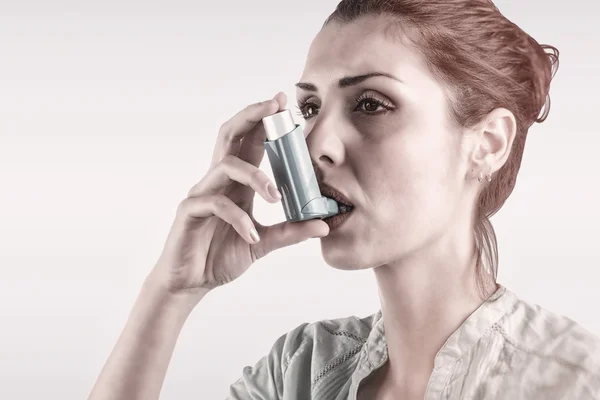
<point x="307" y="109"/>
<point x="370" y="104"/>
<point x="366" y="103"/>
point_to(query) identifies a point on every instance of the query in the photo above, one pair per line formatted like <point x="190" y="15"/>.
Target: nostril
<point x="326" y="159"/>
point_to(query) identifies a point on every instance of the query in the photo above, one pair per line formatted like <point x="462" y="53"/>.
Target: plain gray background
<point x="108" y="115"/>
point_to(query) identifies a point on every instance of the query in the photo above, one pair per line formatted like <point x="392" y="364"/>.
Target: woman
<point x="417" y="112"/>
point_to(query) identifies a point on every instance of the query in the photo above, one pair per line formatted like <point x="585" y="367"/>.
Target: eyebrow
<point x="347" y="81"/>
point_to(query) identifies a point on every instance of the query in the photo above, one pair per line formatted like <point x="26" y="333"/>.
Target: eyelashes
<point x="366" y="104"/>
<point x="303" y="107"/>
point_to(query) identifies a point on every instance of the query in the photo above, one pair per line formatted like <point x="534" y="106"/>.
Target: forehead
<point x="363" y="45"/>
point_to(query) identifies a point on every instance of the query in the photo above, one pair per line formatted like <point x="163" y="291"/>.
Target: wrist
<point x="157" y="292"/>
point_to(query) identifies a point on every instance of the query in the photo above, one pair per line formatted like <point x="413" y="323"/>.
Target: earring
<point x="488" y="177"/>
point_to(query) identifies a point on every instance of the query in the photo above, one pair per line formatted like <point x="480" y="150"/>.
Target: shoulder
<point x="546" y="333"/>
<point x="321" y="341"/>
<point x="351" y="329"/>
<point x="553" y="347"/>
<point x="300" y="358"/>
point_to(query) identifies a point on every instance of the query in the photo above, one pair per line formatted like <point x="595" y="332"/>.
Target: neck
<point x="424" y="299"/>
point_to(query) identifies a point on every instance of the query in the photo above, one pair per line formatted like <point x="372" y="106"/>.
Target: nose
<point x="324" y="144"/>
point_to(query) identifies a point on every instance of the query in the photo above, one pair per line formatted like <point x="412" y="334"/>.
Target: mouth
<point x="344" y="204"/>
<point x="345" y="209"/>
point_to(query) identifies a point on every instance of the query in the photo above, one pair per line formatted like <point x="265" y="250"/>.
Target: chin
<point x="346" y="257"/>
<point x="364" y="251"/>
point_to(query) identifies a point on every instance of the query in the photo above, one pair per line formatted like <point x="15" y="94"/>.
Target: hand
<point x="210" y="242"/>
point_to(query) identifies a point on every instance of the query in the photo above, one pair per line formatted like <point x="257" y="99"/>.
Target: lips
<point x="335" y="194"/>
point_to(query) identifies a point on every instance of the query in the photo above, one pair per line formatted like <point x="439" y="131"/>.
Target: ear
<point x="496" y="134"/>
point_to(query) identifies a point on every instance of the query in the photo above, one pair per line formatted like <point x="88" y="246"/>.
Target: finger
<point x="231" y="169"/>
<point x="282" y="100"/>
<point x="252" y="149"/>
<point x="220" y="206"/>
<point x="288" y="233"/>
<point x="233" y="131"/>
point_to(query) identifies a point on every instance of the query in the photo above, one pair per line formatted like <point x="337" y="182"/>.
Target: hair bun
<point x="553" y="55"/>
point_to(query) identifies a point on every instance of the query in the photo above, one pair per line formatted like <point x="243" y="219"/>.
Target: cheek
<point x="411" y="175"/>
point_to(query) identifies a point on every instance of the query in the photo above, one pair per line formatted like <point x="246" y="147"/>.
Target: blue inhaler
<point x="293" y="171"/>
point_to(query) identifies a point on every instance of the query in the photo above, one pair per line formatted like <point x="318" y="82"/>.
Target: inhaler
<point x="293" y="170"/>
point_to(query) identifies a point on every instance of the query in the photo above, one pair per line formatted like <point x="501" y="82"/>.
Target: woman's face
<point x="388" y="144"/>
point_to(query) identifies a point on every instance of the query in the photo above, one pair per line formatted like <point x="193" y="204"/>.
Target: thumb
<point x="288" y="233"/>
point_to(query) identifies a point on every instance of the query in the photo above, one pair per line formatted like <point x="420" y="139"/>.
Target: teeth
<point x="344" y="208"/>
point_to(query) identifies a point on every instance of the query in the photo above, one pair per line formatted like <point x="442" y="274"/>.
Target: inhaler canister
<point x="293" y="171"/>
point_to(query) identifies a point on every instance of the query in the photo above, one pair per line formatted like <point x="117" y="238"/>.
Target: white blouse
<point x="507" y="349"/>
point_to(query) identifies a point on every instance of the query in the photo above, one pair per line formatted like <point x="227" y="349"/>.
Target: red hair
<point x="487" y="62"/>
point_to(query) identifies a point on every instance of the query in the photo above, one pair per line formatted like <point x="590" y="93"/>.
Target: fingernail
<point x="254" y="235"/>
<point x="274" y="192"/>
